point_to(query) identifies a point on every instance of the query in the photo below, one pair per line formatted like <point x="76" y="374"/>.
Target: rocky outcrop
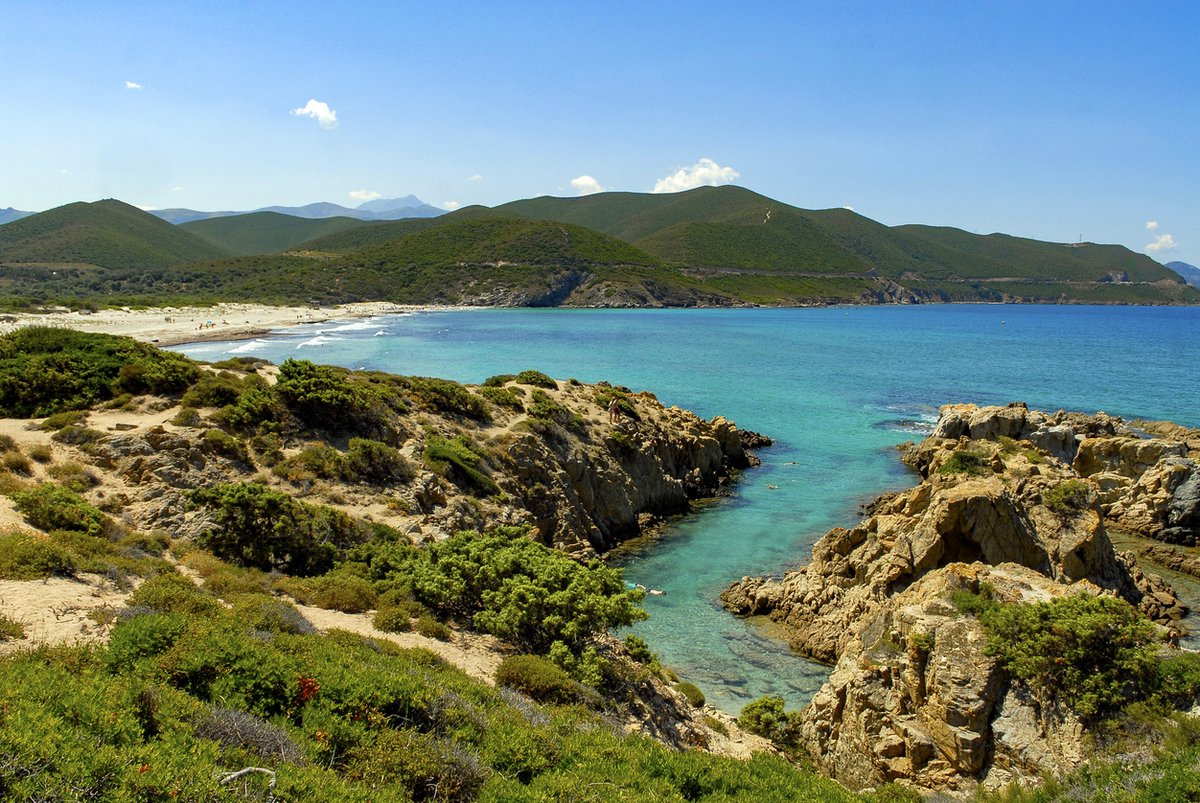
<point x="582" y="480"/>
<point x="915" y="696"/>
<point x="999" y="501"/>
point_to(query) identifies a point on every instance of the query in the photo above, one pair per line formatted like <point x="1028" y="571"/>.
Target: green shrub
<point x="538" y="678"/>
<point x="423" y="766"/>
<point x="51" y="507"/>
<point x="966" y="462"/>
<point x="318" y="460"/>
<point x="17" y="463"/>
<point x="30" y="557"/>
<point x="10" y="629"/>
<point x="502" y="397"/>
<point x="1068" y="497"/>
<point x="67" y="419"/>
<point x="639" y="650"/>
<point x="499" y="380"/>
<point x="45" y="370"/>
<point x="392" y="620"/>
<point x="220" y="442"/>
<point x="328" y="398"/>
<point x="375" y="462"/>
<point x="142" y="636"/>
<point x="537" y="379"/>
<point x="694" y="696"/>
<point x="1095" y="653"/>
<point x="229" y="580"/>
<point x="429" y="627"/>
<point x="458" y="458"/>
<point x="187" y="417"/>
<point x="41" y="453"/>
<point x="213" y="390"/>
<point x="260" y="612"/>
<point x="268" y="530"/>
<point x="519" y="590"/>
<point x="338" y="591"/>
<point x="74" y="476"/>
<point x="543" y="407"/>
<point x="1178" y="683"/>
<point x="445" y="396"/>
<point x="766" y="717"/>
<point x="173" y="593"/>
<point x="78" y="436"/>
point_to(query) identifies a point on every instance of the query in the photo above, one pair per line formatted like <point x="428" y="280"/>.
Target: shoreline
<point x="173" y="326"/>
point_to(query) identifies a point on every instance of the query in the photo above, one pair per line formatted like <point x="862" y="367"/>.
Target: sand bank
<point x="166" y="326"/>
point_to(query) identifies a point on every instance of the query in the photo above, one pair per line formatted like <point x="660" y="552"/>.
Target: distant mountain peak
<point x="379" y="209"/>
<point x="388" y="204"/>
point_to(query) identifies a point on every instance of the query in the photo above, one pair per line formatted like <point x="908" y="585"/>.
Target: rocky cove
<point x="1012" y="501"/>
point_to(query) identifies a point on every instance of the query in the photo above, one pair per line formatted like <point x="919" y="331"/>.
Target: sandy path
<point x="56" y="610"/>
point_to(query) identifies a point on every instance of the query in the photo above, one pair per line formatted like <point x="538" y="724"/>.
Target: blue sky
<point x="1042" y="119"/>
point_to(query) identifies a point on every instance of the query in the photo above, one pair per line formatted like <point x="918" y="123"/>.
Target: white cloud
<point x="475" y="177"/>
<point x="586" y="185"/>
<point x="364" y="195"/>
<point x="319" y="111"/>
<point x="1163" y="242"/>
<point x="705" y="172"/>
<point x="450" y="206"/>
<point x="177" y="189"/>
<point x="1151" y="225"/>
<point x="132" y="85"/>
<point x="850" y="208"/>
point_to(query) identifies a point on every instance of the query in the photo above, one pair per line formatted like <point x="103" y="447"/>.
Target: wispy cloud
<point x="475" y="177"/>
<point x="319" y="111"/>
<point x="450" y="206"/>
<point x="1163" y="242"/>
<point x="705" y="172"/>
<point x="364" y="195"/>
<point x="132" y="85"/>
<point x="1151" y="225"/>
<point x="586" y="185"/>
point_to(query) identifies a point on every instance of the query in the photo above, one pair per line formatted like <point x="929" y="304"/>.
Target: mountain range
<point x="378" y="209"/>
<point x="712" y="246"/>
<point x="1190" y="273"/>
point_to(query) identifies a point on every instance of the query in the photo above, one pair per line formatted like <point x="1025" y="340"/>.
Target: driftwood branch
<point x="233" y="776"/>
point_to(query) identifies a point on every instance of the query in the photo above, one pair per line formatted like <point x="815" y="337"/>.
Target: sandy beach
<point x="167" y="326"/>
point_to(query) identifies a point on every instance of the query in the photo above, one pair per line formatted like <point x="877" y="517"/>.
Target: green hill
<point x="108" y="234"/>
<point x="734" y="228"/>
<point x="266" y="232"/>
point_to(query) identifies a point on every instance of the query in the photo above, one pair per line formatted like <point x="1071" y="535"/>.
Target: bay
<point x="837" y="388"/>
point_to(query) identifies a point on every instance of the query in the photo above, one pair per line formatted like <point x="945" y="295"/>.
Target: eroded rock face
<point x="913" y="696"/>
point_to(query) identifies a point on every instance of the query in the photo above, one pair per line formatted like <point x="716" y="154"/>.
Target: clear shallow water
<point x="837" y="388"/>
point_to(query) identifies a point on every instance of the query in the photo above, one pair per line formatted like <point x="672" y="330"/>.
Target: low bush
<point x="264" y="613"/>
<point x="694" y="696"/>
<point x="376" y="462"/>
<point x="392" y="620"/>
<point x="74" y="476"/>
<point x="966" y="462"/>
<point x="499" y="380"/>
<point x="17" y="463"/>
<point x="429" y="627"/>
<point x="173" y="593"/>
<point x="78" y="436"/>
<point x="70" y="418"/>
<point x="31" y="557"/>
<point x="459" y="459"/>
<point x="445" y="396"/>
<point x="187" y="417"/>
<point x="52" y="507"/>
<point x="46" y="370"/>
<point x="767" y="718"/>
<point x="1069" y="497"/>
<point x="233" y="729"/>
<point x="537" y="677"/>
<point x="213" y="390"/>
<point x="138" y="637"/>
<point x="338" y="591"/>
<point x="269" y="530"/>
<point x="41" y="453"/>
<point x="537" y="379"/>
<point x="11" y="629"/>
<point x="502" y="397"/>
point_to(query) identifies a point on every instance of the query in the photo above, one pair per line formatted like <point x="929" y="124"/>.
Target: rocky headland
<point x="1013" y="501"/>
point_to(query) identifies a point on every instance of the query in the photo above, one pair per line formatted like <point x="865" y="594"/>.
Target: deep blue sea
<point x="837" y="388"/>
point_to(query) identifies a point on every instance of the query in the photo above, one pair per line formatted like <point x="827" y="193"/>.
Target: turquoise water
<point x="837" y="388"/>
